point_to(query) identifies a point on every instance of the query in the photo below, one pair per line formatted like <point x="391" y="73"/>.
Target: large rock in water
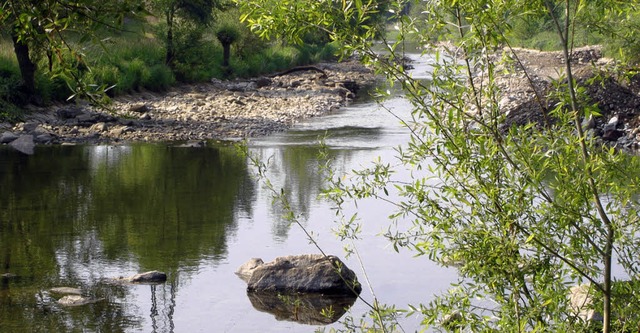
<point x="307" y="273"/>
<point x="23" y="144"/>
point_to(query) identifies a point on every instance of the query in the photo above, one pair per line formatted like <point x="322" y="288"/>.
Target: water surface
<point x="79" y="215"/>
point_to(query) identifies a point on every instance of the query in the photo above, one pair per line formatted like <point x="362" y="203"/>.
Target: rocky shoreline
<point x="617" y="97"/>
<point x="235" y="110"/>
<point x="219" y="110"/>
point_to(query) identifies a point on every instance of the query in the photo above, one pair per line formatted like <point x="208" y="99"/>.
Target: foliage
<point x="39" y="29"/>
<point x="183" y="19"/>
<point x="525" y="212"/>
<point x="227" y="34"/>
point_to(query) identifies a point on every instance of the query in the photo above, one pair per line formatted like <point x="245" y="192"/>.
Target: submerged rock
<point x="150" y="277"/>
<point x="66" y="291"/>
<point x="77" y="300"/>
<point x="308" y="273"/>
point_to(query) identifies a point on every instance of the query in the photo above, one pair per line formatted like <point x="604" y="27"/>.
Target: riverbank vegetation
<point x="129" y="49"/>
<point x="540" y="218"/>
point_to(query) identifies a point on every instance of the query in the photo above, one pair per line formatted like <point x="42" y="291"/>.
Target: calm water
<point x="75" y="216"/>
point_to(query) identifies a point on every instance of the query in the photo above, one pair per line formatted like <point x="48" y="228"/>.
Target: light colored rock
<point x="66" y="291"/>
<point x="98" y="127"/>
<point x="246" y="270"/>
<point x="581" y="301"/>
<point x="139" y="107"/>
<point x="76" y="300"/>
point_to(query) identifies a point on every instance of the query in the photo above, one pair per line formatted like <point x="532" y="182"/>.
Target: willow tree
<point x="527" y="212"/>
<point x="41" y="28"/>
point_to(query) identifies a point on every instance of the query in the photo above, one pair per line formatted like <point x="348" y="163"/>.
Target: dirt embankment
<point x="525" y="92"/>
<point x="219" y="110"/>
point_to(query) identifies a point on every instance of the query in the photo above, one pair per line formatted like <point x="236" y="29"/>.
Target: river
<point x="78" y="216"/>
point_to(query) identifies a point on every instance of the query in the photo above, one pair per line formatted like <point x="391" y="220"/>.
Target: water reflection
<point x="308" y="309"/>
<point x="71" y="216"/>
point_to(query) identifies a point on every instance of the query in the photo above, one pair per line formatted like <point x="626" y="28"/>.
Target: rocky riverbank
<point x="232" y="110"/>
<point x="527" y="87"/>
<point x="219" y="110"/>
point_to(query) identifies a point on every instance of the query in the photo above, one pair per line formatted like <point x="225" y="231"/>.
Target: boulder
<point x="307" y="273"/>
<point x="24" y="144"/>
<point x="8" y="137"/>
<point x="68" y="113"/>
<point x="149" y="277"/>
<point x="581" y="302"/>
<point x="44" y="138"/>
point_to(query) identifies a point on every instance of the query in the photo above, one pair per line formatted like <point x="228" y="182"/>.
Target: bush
<point x="10" y="92"/>
<point x="108" y="75"/>
<point x="159" y="79"/>
<point x="135" y="73"/>
<point x="10" y="83"/>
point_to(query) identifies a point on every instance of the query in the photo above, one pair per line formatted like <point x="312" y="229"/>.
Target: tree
<point x="175" y="11"/>
<point x="42" y="27"/>
<point x="227" y="35"/>
<point x="527" y="212"/>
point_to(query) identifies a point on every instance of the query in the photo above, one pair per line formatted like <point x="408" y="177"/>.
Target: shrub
<point x="159" y="79"/>
<point x="134" y="73"/>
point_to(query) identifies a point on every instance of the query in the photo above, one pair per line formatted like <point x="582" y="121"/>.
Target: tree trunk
<point x="170" y="49"/>
<point x="226" y="54"/>
<point x="27" y="67"/>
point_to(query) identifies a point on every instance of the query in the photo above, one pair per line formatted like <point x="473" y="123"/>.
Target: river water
<point x="78" y="216"/>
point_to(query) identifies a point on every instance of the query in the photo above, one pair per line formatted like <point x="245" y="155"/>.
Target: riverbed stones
<point x="68" y="112"/>
<point x="307" y="273"/>
<point x="220" y="110"/>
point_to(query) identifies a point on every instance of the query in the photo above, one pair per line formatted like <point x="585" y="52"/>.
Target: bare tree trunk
<point x="226" y="49"/>
<point x="170" y="48"/>
<point x="27" y="67"/>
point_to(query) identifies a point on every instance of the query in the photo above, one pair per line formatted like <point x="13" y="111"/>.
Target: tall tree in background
<point x="39" y="28"/>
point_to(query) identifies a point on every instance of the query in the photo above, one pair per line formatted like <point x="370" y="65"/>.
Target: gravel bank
<point x="219" y="110"/>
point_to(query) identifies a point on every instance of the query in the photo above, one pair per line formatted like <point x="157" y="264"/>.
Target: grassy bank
<point x="133" y="60"/>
